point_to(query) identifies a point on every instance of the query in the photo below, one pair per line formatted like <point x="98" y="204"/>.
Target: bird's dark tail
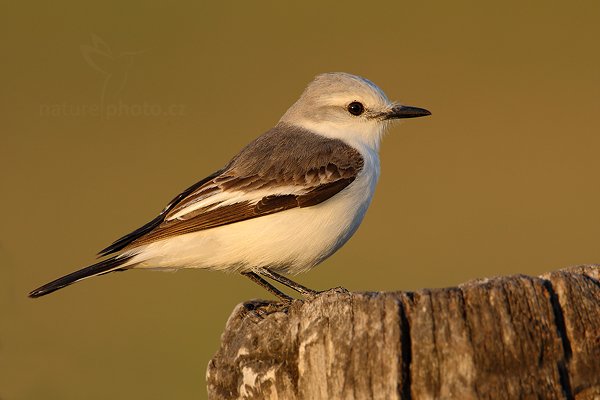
<point x="103" y="267"/>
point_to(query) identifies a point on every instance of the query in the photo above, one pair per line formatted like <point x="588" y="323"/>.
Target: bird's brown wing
<point x="218" y="215"/>
<point x="287" y="167"/>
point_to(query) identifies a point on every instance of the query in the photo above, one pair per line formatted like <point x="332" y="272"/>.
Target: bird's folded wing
<point x="287" y="167"/>
<point x="226" y="206"/>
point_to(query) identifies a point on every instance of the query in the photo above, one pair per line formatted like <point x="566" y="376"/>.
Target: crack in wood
<point x="561" y="328"/>
<point x="405" y="352"/>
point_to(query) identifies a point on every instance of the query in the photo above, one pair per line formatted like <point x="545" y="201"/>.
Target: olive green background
<point x="110" y="109"/>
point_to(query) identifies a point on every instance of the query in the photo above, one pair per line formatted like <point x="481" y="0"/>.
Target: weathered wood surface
<point x="517" y="337"/>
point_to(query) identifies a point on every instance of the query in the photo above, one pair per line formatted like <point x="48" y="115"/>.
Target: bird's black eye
<point x="356" y="108"/>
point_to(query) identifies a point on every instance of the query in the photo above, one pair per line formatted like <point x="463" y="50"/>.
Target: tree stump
<point x="516" y="337"/>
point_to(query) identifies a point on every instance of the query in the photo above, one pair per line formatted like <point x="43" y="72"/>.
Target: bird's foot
<point x="260" y="309"/>
<point x="340" y="289"/>
<point x="315" y="293"/>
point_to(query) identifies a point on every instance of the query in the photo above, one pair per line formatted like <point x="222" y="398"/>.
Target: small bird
<point x="282" y="205"/>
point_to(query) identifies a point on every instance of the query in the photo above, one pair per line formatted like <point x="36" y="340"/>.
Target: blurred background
<point x="109" y="109"/>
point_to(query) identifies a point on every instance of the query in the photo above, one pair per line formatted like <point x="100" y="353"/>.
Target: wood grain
<point x="516" y="337"/>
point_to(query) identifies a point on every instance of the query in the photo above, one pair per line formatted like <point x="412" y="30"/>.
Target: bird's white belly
<point x="290" y="241"/>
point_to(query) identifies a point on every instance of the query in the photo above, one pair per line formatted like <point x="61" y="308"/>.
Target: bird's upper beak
<point x="399" y="111"/>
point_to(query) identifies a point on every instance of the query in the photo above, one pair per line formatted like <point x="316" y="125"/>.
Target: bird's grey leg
<point x="287" y="282"/>
<point x="260" y="281"/>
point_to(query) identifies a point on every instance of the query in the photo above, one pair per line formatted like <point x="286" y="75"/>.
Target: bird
<point x="286" y="202"/>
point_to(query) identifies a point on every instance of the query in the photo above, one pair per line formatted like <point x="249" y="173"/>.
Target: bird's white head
<point x="347" y="107"/>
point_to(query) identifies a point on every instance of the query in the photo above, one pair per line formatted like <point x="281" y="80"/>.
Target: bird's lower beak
<point x="406" y="112"/>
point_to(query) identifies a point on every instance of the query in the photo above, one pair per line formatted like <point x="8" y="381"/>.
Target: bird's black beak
<point x="399" y="111"/>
